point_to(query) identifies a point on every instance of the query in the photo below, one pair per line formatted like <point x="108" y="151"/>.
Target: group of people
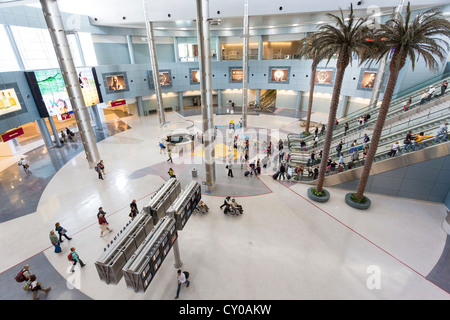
<point x="427" y="95"/>
<point x="31" y="284"/>
<point x="56" y="240"/>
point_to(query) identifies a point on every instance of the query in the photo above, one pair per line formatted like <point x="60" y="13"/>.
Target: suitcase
<point x="247" y="173"/>
<point x="275" y="176"/>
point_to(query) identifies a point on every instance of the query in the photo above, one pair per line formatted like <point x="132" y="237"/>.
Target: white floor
<point x="283" y="247"/>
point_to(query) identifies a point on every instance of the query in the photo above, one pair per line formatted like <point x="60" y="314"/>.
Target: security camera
<point x="359" y="3"/>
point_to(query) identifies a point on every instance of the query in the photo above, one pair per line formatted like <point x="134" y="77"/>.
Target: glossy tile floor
<point x="283" y="247"/>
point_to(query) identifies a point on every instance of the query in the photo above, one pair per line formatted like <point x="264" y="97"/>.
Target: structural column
<point x="55" y="26"/>
<point x="260" y="48"/>
<point x="204" y="46"/>
<point x="154" y="63"/>
<point x="55" y="132"/>
<point x="245" y="68"/>
<point x="180" y="100"/>
<point x="44" y="132"/>
<point x="299" y="101"/>
<point x="130" y="49"/>
<point x="342" y="108"/>
<point x="218" y="49"/>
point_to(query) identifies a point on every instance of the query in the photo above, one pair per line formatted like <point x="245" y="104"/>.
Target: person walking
<point x="230" y="168"/>
<point x="55" y="241"/>
<point x="282" y="172"/>
<point x="418" y="141"/>
<point x="443" y="87"/>
<point x="37" y="286"/>
<point x="162" y="148"/>
<point x="24" y="164"/>
<point x="394" y="149"/>
<point x="442" y="131"/>
<point x="346" y="126"/>
<point x="182" y="278"/>
<point x="169" y="154"/>
<point x="98" y="169"/>
<point x="102" y="166"/>
<point x="61" y="232"/>
<point x="75" y="258"/>
<point x="407" y="143"/>
<point x="339" y="149"/>
<point x="133" y="208"/>
<point x="104" y="225"/>
<point x="171" y="173"/>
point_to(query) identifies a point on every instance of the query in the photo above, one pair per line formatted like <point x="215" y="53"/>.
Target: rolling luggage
<point x="247" y="173"/>
<point x="275" y="176"/>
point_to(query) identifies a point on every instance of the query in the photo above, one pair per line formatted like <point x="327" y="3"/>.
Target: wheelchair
<point x="232" y="210"/>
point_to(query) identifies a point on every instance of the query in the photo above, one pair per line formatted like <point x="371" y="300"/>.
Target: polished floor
<point x="284" y="247"/>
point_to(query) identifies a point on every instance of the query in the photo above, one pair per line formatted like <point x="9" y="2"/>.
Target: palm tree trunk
<point x="341" y="66"/>
<point x="376" y="135"/>
<point x="311" y="98"/>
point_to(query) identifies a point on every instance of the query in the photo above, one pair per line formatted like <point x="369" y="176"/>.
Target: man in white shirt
<point x="442" y="131"/>
<point x="181" y="278"/>
<point x="24" y="163"/>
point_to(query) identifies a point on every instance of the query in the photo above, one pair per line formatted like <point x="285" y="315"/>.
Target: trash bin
<point x="194" y="173"/>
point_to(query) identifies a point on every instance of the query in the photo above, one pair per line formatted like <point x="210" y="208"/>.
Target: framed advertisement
<point x="9" y="102"/>
<point x="324" y="77"/>
<point x="115" y="82"/>
<point x="165" y="79"/>
<point x="279" y="74"/>
<point x="194" y="75"/>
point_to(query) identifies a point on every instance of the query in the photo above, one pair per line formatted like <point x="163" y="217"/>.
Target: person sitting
<point x="203" y="205"/>
<point x="236" y="206"/>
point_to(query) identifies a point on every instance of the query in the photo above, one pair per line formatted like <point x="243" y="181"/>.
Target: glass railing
<point x="383" y="147"/>
<point x="396" y="106"/>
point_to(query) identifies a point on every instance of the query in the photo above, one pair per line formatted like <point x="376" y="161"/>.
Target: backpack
<point x="69" y="257"/>
<point x="20" y="277"/>
<point x="186" y="274"/>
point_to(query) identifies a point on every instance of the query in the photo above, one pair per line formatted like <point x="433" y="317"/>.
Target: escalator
<point x="268" y="100"/>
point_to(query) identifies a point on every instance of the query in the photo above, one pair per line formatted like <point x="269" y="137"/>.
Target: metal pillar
<point x="96" y="114"/>
<point x="55" y="25"/>
<point x="245" y="68"/>
<point x="176" y="254"/>
<point x="175" y="49"/>
<point x="130" y="49"/>
<point x="154" y="63"/>
<point x="378" y="83"/>
<point x="218" y="49"/>
<point x="299" y="101"/>
<point x="55" y="132"/>
<point x="206" y="90"/>
<point x="44" y="133"/>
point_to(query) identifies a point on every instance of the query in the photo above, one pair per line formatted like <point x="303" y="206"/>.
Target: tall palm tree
<point x="426" y="36"/>
<point x="310" y="52"/>
<point x="345" y="39"/>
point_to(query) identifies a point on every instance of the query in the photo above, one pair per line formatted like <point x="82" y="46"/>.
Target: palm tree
<point x="425" y="37"/>
<point x="345" y="39"/>
<point x="310" y="52"/>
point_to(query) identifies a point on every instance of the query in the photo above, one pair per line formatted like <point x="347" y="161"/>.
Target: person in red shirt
<point x="103" y="224"/>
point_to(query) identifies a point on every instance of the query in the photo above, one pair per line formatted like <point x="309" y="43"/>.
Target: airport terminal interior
<point x="233" y="94"/>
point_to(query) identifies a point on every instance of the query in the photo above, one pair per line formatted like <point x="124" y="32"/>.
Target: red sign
<point x="66" y="116"/>
<point x="118" y="103"/>
<point x="12" y="134"/>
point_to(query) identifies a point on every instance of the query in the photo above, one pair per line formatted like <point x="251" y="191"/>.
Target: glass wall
<point x="234" y="51"/>
<point x="281" y="50"/>
<point x="8" y="61"/>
